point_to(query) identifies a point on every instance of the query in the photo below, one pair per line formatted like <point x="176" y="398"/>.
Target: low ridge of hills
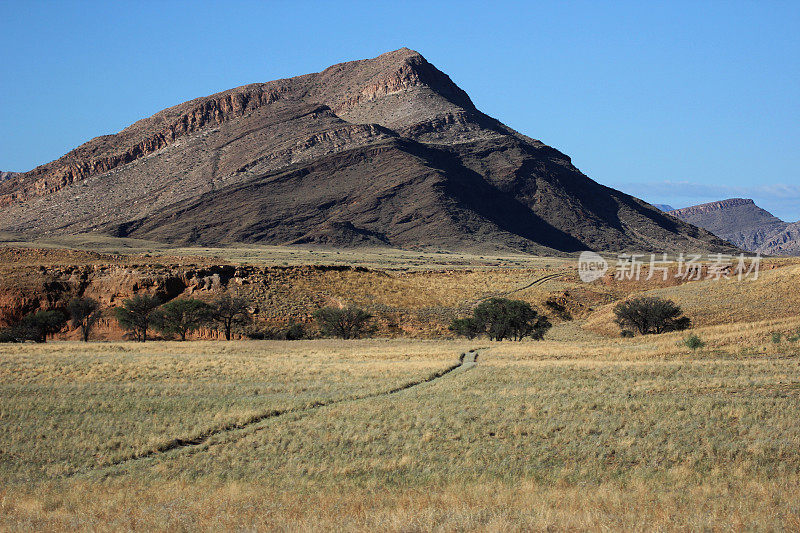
<point x="385" y="151"/>
<point x="741" y="222"/>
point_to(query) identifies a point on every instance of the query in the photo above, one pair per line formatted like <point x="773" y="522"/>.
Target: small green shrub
<point x="777" y="336"/>
<point x="694" y="342"/>
<point x="295" y="332"/>
<point x="503" y="319"/>
<point x="262" y="333"/>
<point x="10" y="335"/>
<point x="626" y="333"/>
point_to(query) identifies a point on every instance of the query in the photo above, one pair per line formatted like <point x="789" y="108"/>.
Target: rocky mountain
<point x="664" y="207"/>
<point x="384" y="151"/>
<point x="7" y="175"/>
<point x="741" y="222"/>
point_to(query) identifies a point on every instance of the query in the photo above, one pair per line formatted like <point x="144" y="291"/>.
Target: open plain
<point x="584" y="430"/>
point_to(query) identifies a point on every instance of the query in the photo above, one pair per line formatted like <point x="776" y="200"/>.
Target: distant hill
<point x="383" y="151"/>
<point x="741" y="222"/>
<point x="664" y="207"/>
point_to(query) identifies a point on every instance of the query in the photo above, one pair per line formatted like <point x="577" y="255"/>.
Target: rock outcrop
<point x="380" y="152"/>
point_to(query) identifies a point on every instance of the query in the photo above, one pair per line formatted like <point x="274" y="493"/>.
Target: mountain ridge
<point x="715" y="206"/>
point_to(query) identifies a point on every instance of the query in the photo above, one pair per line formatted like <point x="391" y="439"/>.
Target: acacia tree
<point x="346" y="323"/>
<point x="138" y="314"/>
<point x="650" y="315"/>
<point x="84" y="313"/>
<point x="230" y="312"/>
<point x="37" y="326"/>
<point x="182" y="316"/>
<point x="526" y="322"/>
<point x="501" y="318"/>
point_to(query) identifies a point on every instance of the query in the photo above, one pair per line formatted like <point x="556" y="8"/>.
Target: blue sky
<point x="675" y="102"/>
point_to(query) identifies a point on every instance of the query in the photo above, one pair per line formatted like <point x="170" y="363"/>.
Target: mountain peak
<point x="403" y="52"/>
<point x="389" y="75"/>
<point x="400" y="55"/>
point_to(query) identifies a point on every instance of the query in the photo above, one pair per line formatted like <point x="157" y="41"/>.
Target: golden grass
<point x="576" y="432"/>
<point x="68" y="406"/>
<point x="487" y="506"/>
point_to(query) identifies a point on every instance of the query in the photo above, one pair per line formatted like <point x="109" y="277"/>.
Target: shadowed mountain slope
<point x="384" y="151"/>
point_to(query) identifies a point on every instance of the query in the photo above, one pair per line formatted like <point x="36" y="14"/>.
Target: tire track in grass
<point x="540" y="281"/>
<point x="534" y="283"/>
<point x="467" y="360"/>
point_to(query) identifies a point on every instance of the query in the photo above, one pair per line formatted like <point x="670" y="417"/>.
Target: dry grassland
<point x="66" y="407"/>
<point x="576" y="432"/>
